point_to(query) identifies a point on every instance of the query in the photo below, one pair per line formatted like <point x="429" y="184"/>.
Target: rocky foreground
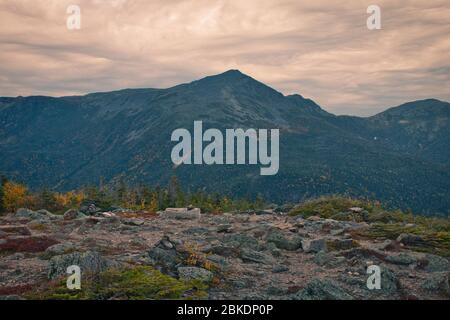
<point x="176" y="254"/>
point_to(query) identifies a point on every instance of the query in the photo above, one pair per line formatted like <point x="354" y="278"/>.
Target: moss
<point x="328" y="206"/>
<point x="139" y="283"/>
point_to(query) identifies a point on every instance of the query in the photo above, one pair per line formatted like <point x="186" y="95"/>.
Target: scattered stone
<point x="60" y="249"/>
<point x="28" y="214"/>
<point x="133" y="222"/>
<point x="319" y="289"/>
<point x="437" y="283"/>
<point x="249" y="255"/>
<point x="182" y="213"/>
<point x="435" y="263"/>
<point x="279" y="268"/>
<point x="72" y="214"/>
<point x="224" y="228"/>
<point x="315" y="245"/>
<point x="282" y="242"/>
<point x="89" y="208"/>
<point x="195" y="273"/>
<point x="409" y="239"/>
<point x="401" y="259"/>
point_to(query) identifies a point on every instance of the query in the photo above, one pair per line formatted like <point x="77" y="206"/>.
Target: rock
<point x="28" y="214"/>
<point x="18" y="230"/>
<point x="337" y="232"/>
<point x="325" y="259"/>
<point x="314" y="218"/>
<point x="133" y="222"/>
<point x="249" y="255"/>
<point x="195" y="273"/>
<point x="356" y="209"/>
<point x="60" y="249"/>
<point x="409" y="239"/>
<point x="48" y="214"/>
<point x="435" y="263"/>
<point x="319" y="289"/>
<point x="389" y="281"/>
<point x="223" y="250"/>
<point x="388" y="245"/>
<point x="315" y="245"/>
<point x="279" y="268"/>
<point x="89" y="262"/>
<point x="224" y="228"/>
<point x="165" y="257"/>
<point x="241" y="240"/>
<point x="72" y="214"/>
<point x="182" y="213"/>
<point x="281" y="242"/>
<point x="401" y="259"/>
<point x="437" y="283"/>
<point x="89" y="208"/>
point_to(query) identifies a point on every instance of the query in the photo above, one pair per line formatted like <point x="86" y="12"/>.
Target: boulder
<point x="401" y="259"/>
<point x="182" y="213"/>
<point x="60" y="249"/>
<point x="165" y="257"/>
<point x="409" y="239"/>
<point x="252" y="256"/>
<point x="72" y="214"/>
<point x="437" y="283"/>
<point x="28" y="214"/>
<point x="319" y="289"/>
<point x="282" y="242"/>
<point x="195" y="273"/>
<point x="435" y="263"/>
<point x="315" y="245"/>
<point x="89" y="262"/>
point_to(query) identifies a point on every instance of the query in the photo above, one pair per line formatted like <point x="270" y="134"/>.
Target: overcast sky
<point x="320" y="49"/>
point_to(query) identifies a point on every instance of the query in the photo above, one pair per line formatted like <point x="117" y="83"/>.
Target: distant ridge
<point x="400" y="156"/>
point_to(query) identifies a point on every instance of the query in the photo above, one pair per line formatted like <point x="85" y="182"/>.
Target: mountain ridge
<point x="126" y="133"/>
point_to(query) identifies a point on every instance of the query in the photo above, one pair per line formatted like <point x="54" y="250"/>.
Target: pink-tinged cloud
<point x="321" y="49"/>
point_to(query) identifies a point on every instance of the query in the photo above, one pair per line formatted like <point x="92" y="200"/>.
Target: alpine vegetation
<point x="235" y="147"/>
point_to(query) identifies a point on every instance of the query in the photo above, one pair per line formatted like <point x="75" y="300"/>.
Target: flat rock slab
<point x="181" y="213"/>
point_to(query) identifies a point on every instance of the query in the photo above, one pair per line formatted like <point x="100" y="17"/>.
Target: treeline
<point x="14" y="195"/>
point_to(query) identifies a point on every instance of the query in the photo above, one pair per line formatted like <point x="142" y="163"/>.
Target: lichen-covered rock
<point x="72" y="214"/>
<point x="282" y="242"/>
<point x="319" y="289"/>
<point x="437" y="283"/>
<point x="89" y="262"/>
<point x="315" y="245"/>
<point x="195" y="273"/>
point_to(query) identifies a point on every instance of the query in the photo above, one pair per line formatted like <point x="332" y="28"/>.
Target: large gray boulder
<point x="282" y="242"/>
<point x="89" y="262"/>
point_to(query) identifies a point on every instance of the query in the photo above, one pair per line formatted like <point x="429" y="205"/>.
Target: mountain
<point x="399" y="156"/>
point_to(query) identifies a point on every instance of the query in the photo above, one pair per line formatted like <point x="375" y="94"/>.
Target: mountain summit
<point x="399" y="156"/>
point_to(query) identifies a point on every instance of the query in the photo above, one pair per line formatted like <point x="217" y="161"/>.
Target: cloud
<point x="321" y="49"/>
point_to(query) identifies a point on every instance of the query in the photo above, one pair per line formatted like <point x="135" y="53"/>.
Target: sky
<point x="321" y="49"/>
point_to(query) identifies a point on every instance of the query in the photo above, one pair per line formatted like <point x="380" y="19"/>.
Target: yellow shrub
<point x="14" y="196"/>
